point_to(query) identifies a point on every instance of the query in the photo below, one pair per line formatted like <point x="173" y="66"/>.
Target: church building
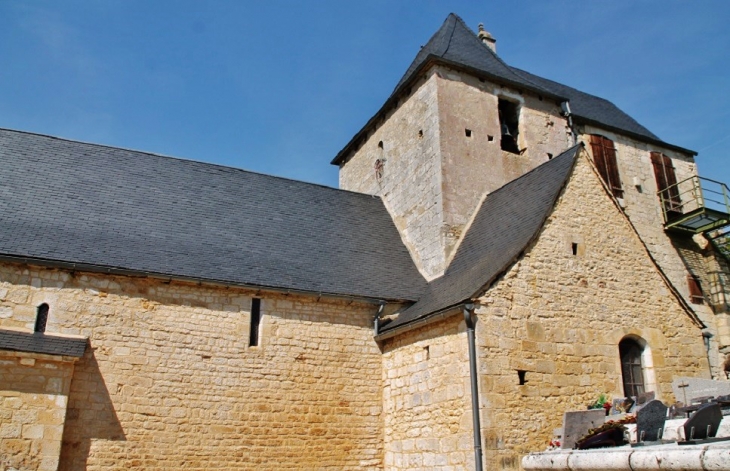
<point x="502" y="248"/>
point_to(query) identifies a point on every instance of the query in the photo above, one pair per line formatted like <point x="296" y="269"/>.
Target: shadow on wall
<point x="90" y="414"/>
<point x="36" y="383"/>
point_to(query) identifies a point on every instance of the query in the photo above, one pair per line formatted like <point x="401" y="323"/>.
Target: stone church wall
<point x="426" y="399"/>
<point x="472" y="161"/>
<point x="556" y="318"/>
<point x="643" y="207"/>
<point x="410" y="183"/>
<point x="34" y="391"/>
<point x="170" y="382"/>
<point x="441" y="151"/>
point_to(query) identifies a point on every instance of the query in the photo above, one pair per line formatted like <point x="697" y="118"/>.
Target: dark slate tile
<point x="100" y="206"/>
<point x="42" y="343"/>
<point x="508" y="220"/>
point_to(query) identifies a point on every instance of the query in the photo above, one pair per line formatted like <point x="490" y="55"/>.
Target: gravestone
<point x="643" y="399"/>
<point x="576" y="425"/>
<point x="704" y="423"/>
<point x="686" y="389"/>
<point x="650" y="421"/>
<point x="621" y="405"/>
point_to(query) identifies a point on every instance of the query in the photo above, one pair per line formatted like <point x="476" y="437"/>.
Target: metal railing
<point x="694" y="195"/>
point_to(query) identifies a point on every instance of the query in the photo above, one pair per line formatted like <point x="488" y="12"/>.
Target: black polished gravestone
<point x="650" y="421"/>
<point x="703" y="423"/>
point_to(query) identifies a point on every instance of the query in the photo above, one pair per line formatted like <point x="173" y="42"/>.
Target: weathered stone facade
<point x="677" y="254"/>
<point x="441" y="146"/>
<point x="547" y="339"/>
<point x="169" y="381"/>
<point x="435" y="142"/>
<point x="426" y="400"/>
<point x="559" y="317"/>
<point x="34" y="390"/>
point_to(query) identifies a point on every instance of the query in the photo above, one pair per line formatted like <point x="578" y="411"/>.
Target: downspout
<point x="706" y="337"/>
<point x="565" y="108"/>
<point x="376" y="319"/>
<point x="470" y="320"/>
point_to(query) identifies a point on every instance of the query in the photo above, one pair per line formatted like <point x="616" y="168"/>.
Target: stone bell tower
<point x="448" y="135"/>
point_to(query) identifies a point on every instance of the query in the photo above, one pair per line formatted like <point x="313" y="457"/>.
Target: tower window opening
<point x="509" y="115"/>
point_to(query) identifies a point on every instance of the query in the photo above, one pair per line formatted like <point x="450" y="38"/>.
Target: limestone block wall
<point x="441" y="152"/>
<point x="169" y="380"/>
<point x="475" y="164"/>
<point x="34" y="393"/>
<point x="426" y="399"/>
<point x="556" y="319"/>
<point x="411" y="179"/>
<point x="643" y="207"/>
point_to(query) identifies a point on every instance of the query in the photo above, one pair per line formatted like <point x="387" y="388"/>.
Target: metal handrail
<point x="692" y="194"/>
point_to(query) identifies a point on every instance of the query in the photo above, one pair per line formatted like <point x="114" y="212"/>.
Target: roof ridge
<point x="183" y="160"/>
<point x="496" y="56"/>
<point x="453" y="30"/>
<point x="521" y="71"/>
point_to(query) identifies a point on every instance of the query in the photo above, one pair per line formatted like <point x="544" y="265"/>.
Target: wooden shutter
<point x="695" y="290"/>
<point x="666" y="182"/>
<point x="604" y="156"/>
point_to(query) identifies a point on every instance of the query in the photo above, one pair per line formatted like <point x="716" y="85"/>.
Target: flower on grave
<point x="601" y="402"/>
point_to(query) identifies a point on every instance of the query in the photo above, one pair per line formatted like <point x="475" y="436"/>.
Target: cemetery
<point x="642" y="432"/>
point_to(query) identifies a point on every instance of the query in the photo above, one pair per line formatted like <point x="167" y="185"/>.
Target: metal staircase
<point x="698" y="205"/>
<point x="702" y="206"/>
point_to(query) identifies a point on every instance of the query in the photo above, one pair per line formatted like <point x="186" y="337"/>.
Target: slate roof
<point x="598" y="111"/>
<point x="508" y="220"/>
<point x="455" y="44"/>
<point x="105" y="208"/>
<point x="42" y="343"/>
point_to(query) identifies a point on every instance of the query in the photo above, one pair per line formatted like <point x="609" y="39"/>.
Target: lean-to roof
<point x="508" y="220"/>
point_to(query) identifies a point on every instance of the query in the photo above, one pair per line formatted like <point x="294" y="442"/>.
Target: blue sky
<point x="280" y="87"/>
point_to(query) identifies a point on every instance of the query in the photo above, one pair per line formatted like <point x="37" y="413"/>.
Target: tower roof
<point x="456" y="45"/>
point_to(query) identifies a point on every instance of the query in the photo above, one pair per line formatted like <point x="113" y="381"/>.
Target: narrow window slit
<point x="521" y="375"/>
<point x="253" y="340"/>
<point x="467" y="132"/>
<point x="41" y="318"/>
<point x="380" y="145"/>
<point x="574" y="248"/>
<point x="427" y="351"/>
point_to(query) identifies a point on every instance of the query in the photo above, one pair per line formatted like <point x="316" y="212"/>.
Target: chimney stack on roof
<point x="487" y="38"/>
